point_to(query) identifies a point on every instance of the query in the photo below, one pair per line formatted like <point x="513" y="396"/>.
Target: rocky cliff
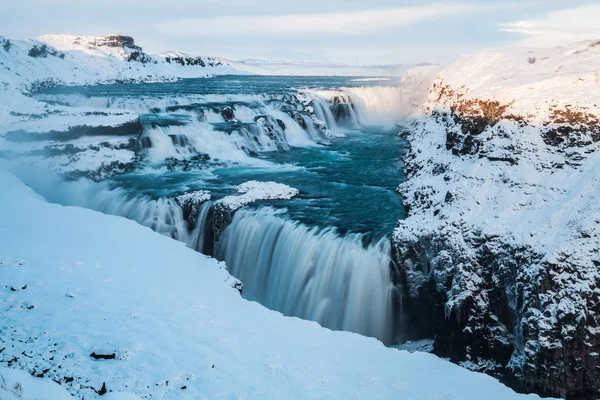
<point x="500" y="252"/>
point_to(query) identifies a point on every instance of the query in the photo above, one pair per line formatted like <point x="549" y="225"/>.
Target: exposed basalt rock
<point x="221" y="218"/>
<point x="571" y="127"/>
<point x="131" y="51"/>
<point x="120" y="41"/>
<point x="190" y="203"/>
<point x="42" y="51"/>
<point x="227" y="113"/>
<point x="195" y="162"/>
<point x="105" y="171"/>
<point x="194" y="61"/>
<point x="6" y="44"/>
<point x="483" y="300"/>
<point x="518" y="302"/>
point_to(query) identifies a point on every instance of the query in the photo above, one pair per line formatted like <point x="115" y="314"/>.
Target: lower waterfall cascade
<point x="312" y="274"/>
<point x="317" y="257"/>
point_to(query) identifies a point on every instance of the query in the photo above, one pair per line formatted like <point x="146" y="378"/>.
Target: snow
<point x="99" y="283"/>
<point x="531" y="79"/>
<point x="79" y="60"/>
<point x="252" y="191"/>
<point x="197" y="197"/>
<point x="19" y="385"/>
<point x="512" y="189"/>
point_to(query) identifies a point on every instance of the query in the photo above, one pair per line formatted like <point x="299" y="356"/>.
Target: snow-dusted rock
<point x="504" y="217"/>
<point x="250" y="192"/>
<point x="190" y="203"/>
<point x="78" y="60"/>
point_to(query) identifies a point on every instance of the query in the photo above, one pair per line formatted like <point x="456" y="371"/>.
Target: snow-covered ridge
<point x="531" y="81"/>
<point x="503" y="231"/>
<point x="79" y="60"/>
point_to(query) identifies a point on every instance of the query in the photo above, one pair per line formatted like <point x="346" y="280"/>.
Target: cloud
<point x="349" y="23"/>
<point x="558" y="27"/>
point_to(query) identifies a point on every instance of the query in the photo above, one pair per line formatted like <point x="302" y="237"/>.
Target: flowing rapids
<point x="323" y="255"/>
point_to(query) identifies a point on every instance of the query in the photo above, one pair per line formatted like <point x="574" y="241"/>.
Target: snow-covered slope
<point x="91" y="300"/>
<point x="26" y="65"/>
<point x="77" y="60"/>
<point x="503" y="236"/>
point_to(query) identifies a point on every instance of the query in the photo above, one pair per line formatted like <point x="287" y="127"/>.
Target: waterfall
<point x="370" y="105"/>
<point x="201" y="238"/>
<point x="305" y="272"/>
<point x="312" y="274"/>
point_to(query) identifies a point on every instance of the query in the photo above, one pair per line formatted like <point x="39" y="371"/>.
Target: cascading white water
<point x="301" y="271"/>
<point x="369" y="105"/>
<point x="310" y="273"/>
<point x="198" y="239"/>
<point x="162" y="215"/>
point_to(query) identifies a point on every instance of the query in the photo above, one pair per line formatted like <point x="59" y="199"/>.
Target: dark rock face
<point x="134" y="52"/>
<point x="194" y="61"/>
<point x="105" y="171"/>
<point x="195" y="162"/>
<point x="190" y="204"/>
<point x="222" y="217"/>
<point x="227" y="113"/>
<point x="571" y="127"/>
<point x="6" y="44"/>
<point x="484" y="311"/>
<point x="115" y="41"/>
<point x="494" y="304"/>
<point x="41" y="51"/>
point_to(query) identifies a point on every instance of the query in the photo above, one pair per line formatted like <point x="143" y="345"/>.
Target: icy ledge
<point x="252" y="191"/>
<point x="85" y="282"/>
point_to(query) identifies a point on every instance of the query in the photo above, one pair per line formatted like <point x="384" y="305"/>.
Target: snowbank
<point x="169" y="324"/>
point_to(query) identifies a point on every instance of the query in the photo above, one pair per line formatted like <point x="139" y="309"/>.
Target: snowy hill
<point x="503" y="231"/>
<point x="78" y="60"/>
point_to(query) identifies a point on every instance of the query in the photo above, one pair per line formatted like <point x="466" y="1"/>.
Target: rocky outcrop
<point x="499" y="253"/>
<point x="186" y="60"/>
<point x="190" y="203"/>
<point x="125" y="45"/>
<point x="41" y="51"/>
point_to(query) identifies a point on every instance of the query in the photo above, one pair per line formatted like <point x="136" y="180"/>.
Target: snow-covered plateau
<point x="495" y="266"/>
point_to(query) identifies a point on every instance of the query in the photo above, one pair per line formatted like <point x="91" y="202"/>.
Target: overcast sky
<point x="349" y="31"/>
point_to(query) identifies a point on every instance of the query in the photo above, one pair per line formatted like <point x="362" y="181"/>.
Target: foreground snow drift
<point x="165" y="323"/>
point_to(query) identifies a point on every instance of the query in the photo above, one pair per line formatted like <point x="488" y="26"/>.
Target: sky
<point x="374" y="32"/>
